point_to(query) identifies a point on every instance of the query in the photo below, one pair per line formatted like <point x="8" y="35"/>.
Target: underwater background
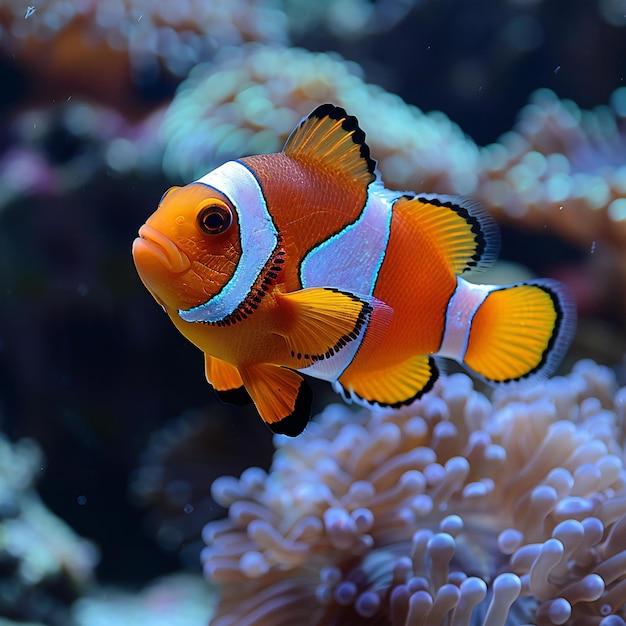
<point x="110" y="436"/>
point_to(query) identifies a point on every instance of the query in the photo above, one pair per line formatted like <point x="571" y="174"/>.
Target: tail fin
<point x="521" y="331"/>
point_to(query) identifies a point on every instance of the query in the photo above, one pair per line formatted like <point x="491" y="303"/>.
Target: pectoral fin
<point x="226" y="381"/>
<point x="282" y="397"/>
<point x="320" y="321"/>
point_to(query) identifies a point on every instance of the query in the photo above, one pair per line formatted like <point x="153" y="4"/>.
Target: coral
<point x="558" y="165"/>
<point x="562" y="167"/>
<point x="345" y="18"/>
<point x="561" y="170"/>
<point x="250" y="98"/>
<point x="457" y="510"/>
<point x="69" y="42"/>
<point x="44" y="566"/>
<point x="58" y="149"/>
<point x="176" y="600"/>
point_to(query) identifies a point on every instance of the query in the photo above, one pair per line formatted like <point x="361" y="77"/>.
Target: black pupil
<point x="214" y="220"/>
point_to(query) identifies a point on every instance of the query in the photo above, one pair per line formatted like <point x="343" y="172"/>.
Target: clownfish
<point x="302" y="262"/>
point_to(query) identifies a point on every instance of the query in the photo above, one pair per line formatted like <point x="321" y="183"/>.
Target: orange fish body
<point x="303" y="262"/>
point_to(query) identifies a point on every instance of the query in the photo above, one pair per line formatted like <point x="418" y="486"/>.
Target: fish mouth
<point x="156" y="244"/>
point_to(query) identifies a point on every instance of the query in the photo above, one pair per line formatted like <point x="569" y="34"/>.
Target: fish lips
<point x="152" y="245"/>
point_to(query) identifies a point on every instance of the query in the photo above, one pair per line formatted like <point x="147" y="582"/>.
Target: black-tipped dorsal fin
<point x="333" y="140"/>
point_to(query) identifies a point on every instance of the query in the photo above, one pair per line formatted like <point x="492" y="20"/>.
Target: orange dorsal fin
<point x="521" y="331"/>
<point x="226" y="381"/>
<point x="332" y="140"/>
<point x="464" y="231"/>
<point x="282" y="397"/>
<point x="394" y="386"/>
<point x="319" y="321"/>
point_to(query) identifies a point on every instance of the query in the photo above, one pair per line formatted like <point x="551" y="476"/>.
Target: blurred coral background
<point x="111" y="436"/>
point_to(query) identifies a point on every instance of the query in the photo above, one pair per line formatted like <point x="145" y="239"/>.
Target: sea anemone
<point x="457" y="510"/>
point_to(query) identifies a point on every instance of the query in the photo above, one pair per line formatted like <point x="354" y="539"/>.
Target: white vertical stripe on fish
<point x="258" y="236"/>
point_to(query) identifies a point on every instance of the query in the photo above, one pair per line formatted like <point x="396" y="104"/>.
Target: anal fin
<point x="391" y="387"/>
<point x="226" y="381"/>
<point x="282" y="397"/>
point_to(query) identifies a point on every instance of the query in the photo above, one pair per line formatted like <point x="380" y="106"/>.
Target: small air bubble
<point x="81" y="500"/>
<point x="188" y="508"/>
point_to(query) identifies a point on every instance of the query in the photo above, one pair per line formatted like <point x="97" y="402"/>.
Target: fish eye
<point x="214" y="219"/>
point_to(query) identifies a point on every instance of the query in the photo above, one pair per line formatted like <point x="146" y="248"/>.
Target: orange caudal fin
<point x="226" y="381"/>
<point x="521" y="331"/>
<point x="282" y="397"/>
